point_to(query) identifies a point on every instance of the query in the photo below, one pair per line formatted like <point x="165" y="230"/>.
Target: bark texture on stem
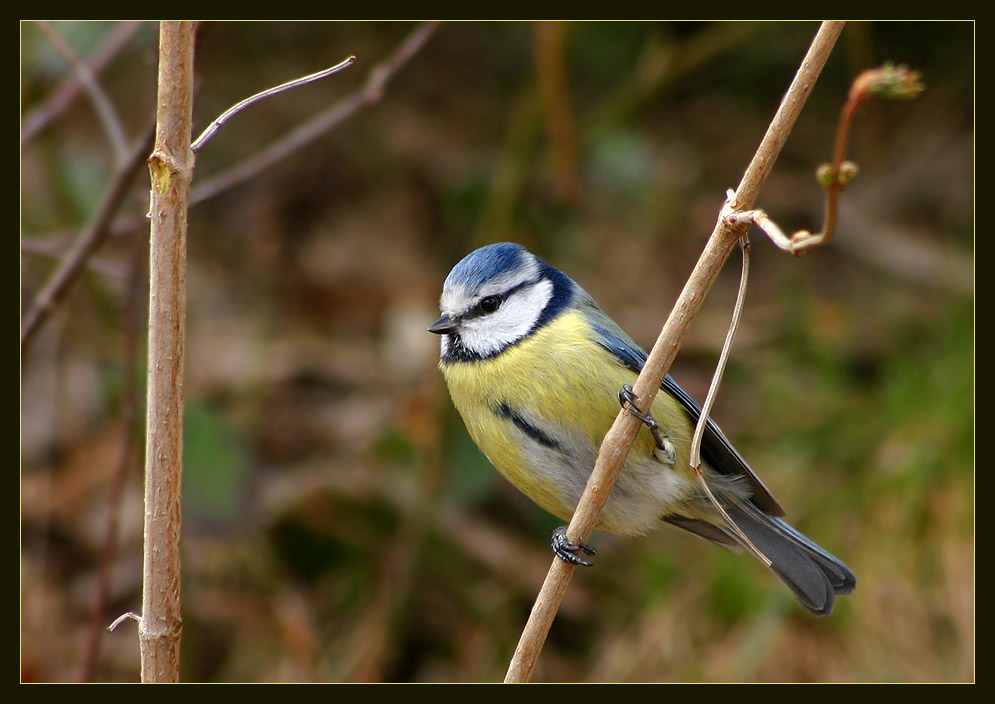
<point x="171" y="170"/>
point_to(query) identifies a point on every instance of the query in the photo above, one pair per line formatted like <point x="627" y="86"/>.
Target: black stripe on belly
<point x="506" y="411"/>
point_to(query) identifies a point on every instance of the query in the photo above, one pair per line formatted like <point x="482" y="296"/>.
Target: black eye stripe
<point x="489" y="304"/>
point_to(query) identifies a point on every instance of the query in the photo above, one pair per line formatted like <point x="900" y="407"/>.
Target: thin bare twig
<point x="87" y="242"/>
<point x="368" y="94"/>
<point x="694" y="458"/>
<point x="618" y="441"/>
<point x="124" y="617"/>
<point x="706" y="409"/>
<point x="269" y="92"/>
<point x="63" y="97"/>
<point x="102" y="104"/>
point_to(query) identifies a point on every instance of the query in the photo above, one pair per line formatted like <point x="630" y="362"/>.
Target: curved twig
<point x="268" y="93"/>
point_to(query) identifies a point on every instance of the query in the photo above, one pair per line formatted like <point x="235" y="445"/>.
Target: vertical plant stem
<point x="171" y="169"/>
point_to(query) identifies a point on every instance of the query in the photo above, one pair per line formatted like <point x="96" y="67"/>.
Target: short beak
<point x="443" y="325"/>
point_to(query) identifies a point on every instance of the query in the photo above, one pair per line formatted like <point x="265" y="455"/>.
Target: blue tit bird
<point x="536" y="369"/>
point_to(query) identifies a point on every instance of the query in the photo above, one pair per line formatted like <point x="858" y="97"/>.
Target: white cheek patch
<point x="489" y="334"/>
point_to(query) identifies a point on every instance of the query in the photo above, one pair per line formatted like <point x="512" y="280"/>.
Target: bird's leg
<point x="567" y="551"/>
<point x="668" y="453"/>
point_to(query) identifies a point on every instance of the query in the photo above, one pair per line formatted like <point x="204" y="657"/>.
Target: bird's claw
<point x="567" y="551"/>
<point x="627" y="398"/>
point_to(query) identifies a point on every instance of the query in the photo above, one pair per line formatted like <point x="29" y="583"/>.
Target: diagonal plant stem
<point x="618" y="441"/>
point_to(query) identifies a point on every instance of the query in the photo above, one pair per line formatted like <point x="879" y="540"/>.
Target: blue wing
<point x="716" y="450"/>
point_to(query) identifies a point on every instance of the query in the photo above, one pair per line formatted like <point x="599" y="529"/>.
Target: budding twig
<point x="886" y="81"/>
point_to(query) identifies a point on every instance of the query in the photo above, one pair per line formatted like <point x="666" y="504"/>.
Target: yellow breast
<point x="567" y="385"/>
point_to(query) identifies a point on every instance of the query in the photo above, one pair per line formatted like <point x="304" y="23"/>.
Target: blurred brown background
<point x="338" y="523"/>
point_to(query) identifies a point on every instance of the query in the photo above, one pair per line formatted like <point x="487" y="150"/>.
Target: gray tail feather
<point x="813" y="575"/>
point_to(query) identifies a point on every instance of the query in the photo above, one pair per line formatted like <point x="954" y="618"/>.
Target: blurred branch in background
<point x="108" y="115"/>
<point x="131" y="321"/>
<point x="54" y="247"/>
<point x="42" y="116"/>
<point x="662" y="63"/>
<point x="367" y="95"/>
<point x="554" y="90"/>
<point x="88" y="242"/>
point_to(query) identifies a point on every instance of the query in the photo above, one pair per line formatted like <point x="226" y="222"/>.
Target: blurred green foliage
<point x="215" y="464"/>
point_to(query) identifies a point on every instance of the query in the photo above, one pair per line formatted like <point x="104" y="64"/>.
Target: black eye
<point x="489" y="304"/>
